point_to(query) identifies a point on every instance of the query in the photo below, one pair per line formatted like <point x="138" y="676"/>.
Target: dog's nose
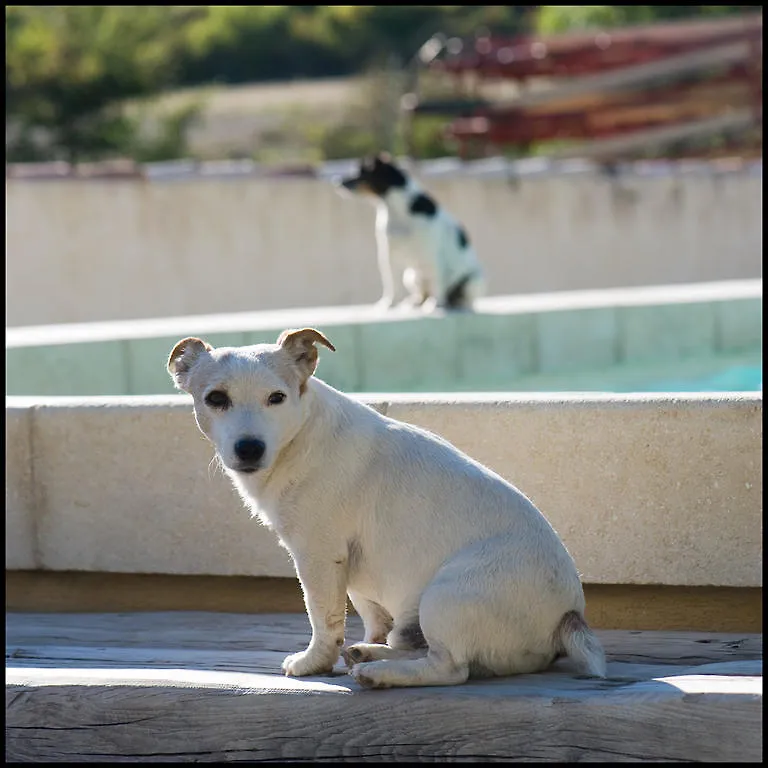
<point x="250" y="449"/>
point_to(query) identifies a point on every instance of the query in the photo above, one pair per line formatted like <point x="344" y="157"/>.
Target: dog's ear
<point x="183" y="357"/>
<point x="300" y="344"/>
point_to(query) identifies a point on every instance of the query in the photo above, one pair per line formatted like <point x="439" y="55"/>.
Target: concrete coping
<point x="492" y="167"/>
<point x="643" y="488"/>
<point x="68" y="333"/>
<point x="380" y="400"/>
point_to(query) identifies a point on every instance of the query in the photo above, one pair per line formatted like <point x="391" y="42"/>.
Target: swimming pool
<point x="737" y="378"/>
<point x="696" y="338"/>
<point x="742" y="372"/>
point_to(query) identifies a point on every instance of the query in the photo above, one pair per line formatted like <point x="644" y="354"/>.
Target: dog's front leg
<point x="387" y="299"/>
<point x="324" y="583"/>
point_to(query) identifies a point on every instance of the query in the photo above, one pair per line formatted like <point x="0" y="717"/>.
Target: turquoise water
<point x="742" y="372"/>
<point x="738" y="378"/>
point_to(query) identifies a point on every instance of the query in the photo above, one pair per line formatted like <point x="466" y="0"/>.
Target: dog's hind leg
<point x="462" y="295"/>
<point x="436" y="668"/>
<point x="376" y="620"/>
<point x="362" y="652"/>
<point x="415" y="285"/>
<point x="491" y="610"/>
<point x="406" y="660"/>
<point x="403" y="641"/>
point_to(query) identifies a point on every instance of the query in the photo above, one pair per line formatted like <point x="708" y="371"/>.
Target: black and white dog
<point x="417" y="240"/>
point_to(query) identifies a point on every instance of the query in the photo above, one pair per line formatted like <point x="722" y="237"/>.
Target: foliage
<point x="69" y="69"/>
<point x="169" y="141"/>
<point x="253" y="43"/>
<point x="552" y="19"/>
<point x="68" y="66"/>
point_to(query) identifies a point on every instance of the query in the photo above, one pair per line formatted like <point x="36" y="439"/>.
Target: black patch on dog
<point x="354" y="555"/>
<point x="463" y="238"/>
<point x="423" y="204"/>
<point x="409" y="637"/>
<point x="455" y="297"/>
<point x="378" y="174"/>
<point x="479" y="671"/>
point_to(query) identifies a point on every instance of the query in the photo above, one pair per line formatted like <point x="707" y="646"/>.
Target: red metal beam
<point x="616" y="113"/>
<point x="521" y="58"/>
<point x="611" y="115"/>
<point x="564" y="127"/>
<point x="639" y="135"/>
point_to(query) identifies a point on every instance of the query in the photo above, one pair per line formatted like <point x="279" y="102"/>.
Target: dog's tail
<point x="577" y="641"/>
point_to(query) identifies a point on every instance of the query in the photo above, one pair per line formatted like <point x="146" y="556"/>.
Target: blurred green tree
<point x="67" y="67"/>
<point x="235" y="44"/>
<point x="552" y="19"/>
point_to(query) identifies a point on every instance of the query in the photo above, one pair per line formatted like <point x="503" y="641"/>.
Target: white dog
<point x="454" y="572"/>
<point x="424" y="255"/>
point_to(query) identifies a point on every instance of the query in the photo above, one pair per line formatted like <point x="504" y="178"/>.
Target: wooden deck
<point x="165" y="687"/>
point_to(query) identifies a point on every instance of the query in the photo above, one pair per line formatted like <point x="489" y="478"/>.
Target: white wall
<point x="88" y="250"/>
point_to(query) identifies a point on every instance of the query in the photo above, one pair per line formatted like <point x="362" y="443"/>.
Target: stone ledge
<point x="510" y="343"/>
<point x="643" y="489"/>
<point x="207" y="687"/>
<point x="69" y="333"/>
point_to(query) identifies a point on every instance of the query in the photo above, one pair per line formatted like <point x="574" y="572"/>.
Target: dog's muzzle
<point x="249" y="451"/>
<point x="349" y="184"/>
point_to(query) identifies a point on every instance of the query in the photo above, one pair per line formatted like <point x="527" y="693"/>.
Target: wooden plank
<point x="167" y="687"/>
<point x="675" y="647"/>
<point x="174" y="629"/>
<point x="289" y="632"/>
<point x="112" y="666"/>
<point x="656" y="722"/>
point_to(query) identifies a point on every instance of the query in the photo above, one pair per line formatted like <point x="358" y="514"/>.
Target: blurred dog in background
<point x="424" y="255"/>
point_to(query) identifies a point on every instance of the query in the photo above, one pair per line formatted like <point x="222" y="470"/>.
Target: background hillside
<point x="272" y="83"/>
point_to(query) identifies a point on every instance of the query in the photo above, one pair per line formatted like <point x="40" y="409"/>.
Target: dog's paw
<point x="384" y="304"/>
<point x="354" y="654"/>
<point x="430" y="306"/>
<point x="369" y="675"/>
<point x="307" y="663"/>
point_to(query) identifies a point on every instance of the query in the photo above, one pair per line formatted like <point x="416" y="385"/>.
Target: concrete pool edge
<point x="509" y="340"/>
<point x="659" y="489"/>
<point x="61" y="333"/>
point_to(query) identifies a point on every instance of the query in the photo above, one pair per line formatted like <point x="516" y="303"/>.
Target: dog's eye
<point x="217" y="398"/>
<point x="276" y="398"/>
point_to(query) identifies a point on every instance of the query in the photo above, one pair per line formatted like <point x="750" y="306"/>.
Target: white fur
<point x="413" y="530"/>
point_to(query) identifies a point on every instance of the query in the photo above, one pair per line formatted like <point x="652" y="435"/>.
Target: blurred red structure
<point x="646" y="85"/>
